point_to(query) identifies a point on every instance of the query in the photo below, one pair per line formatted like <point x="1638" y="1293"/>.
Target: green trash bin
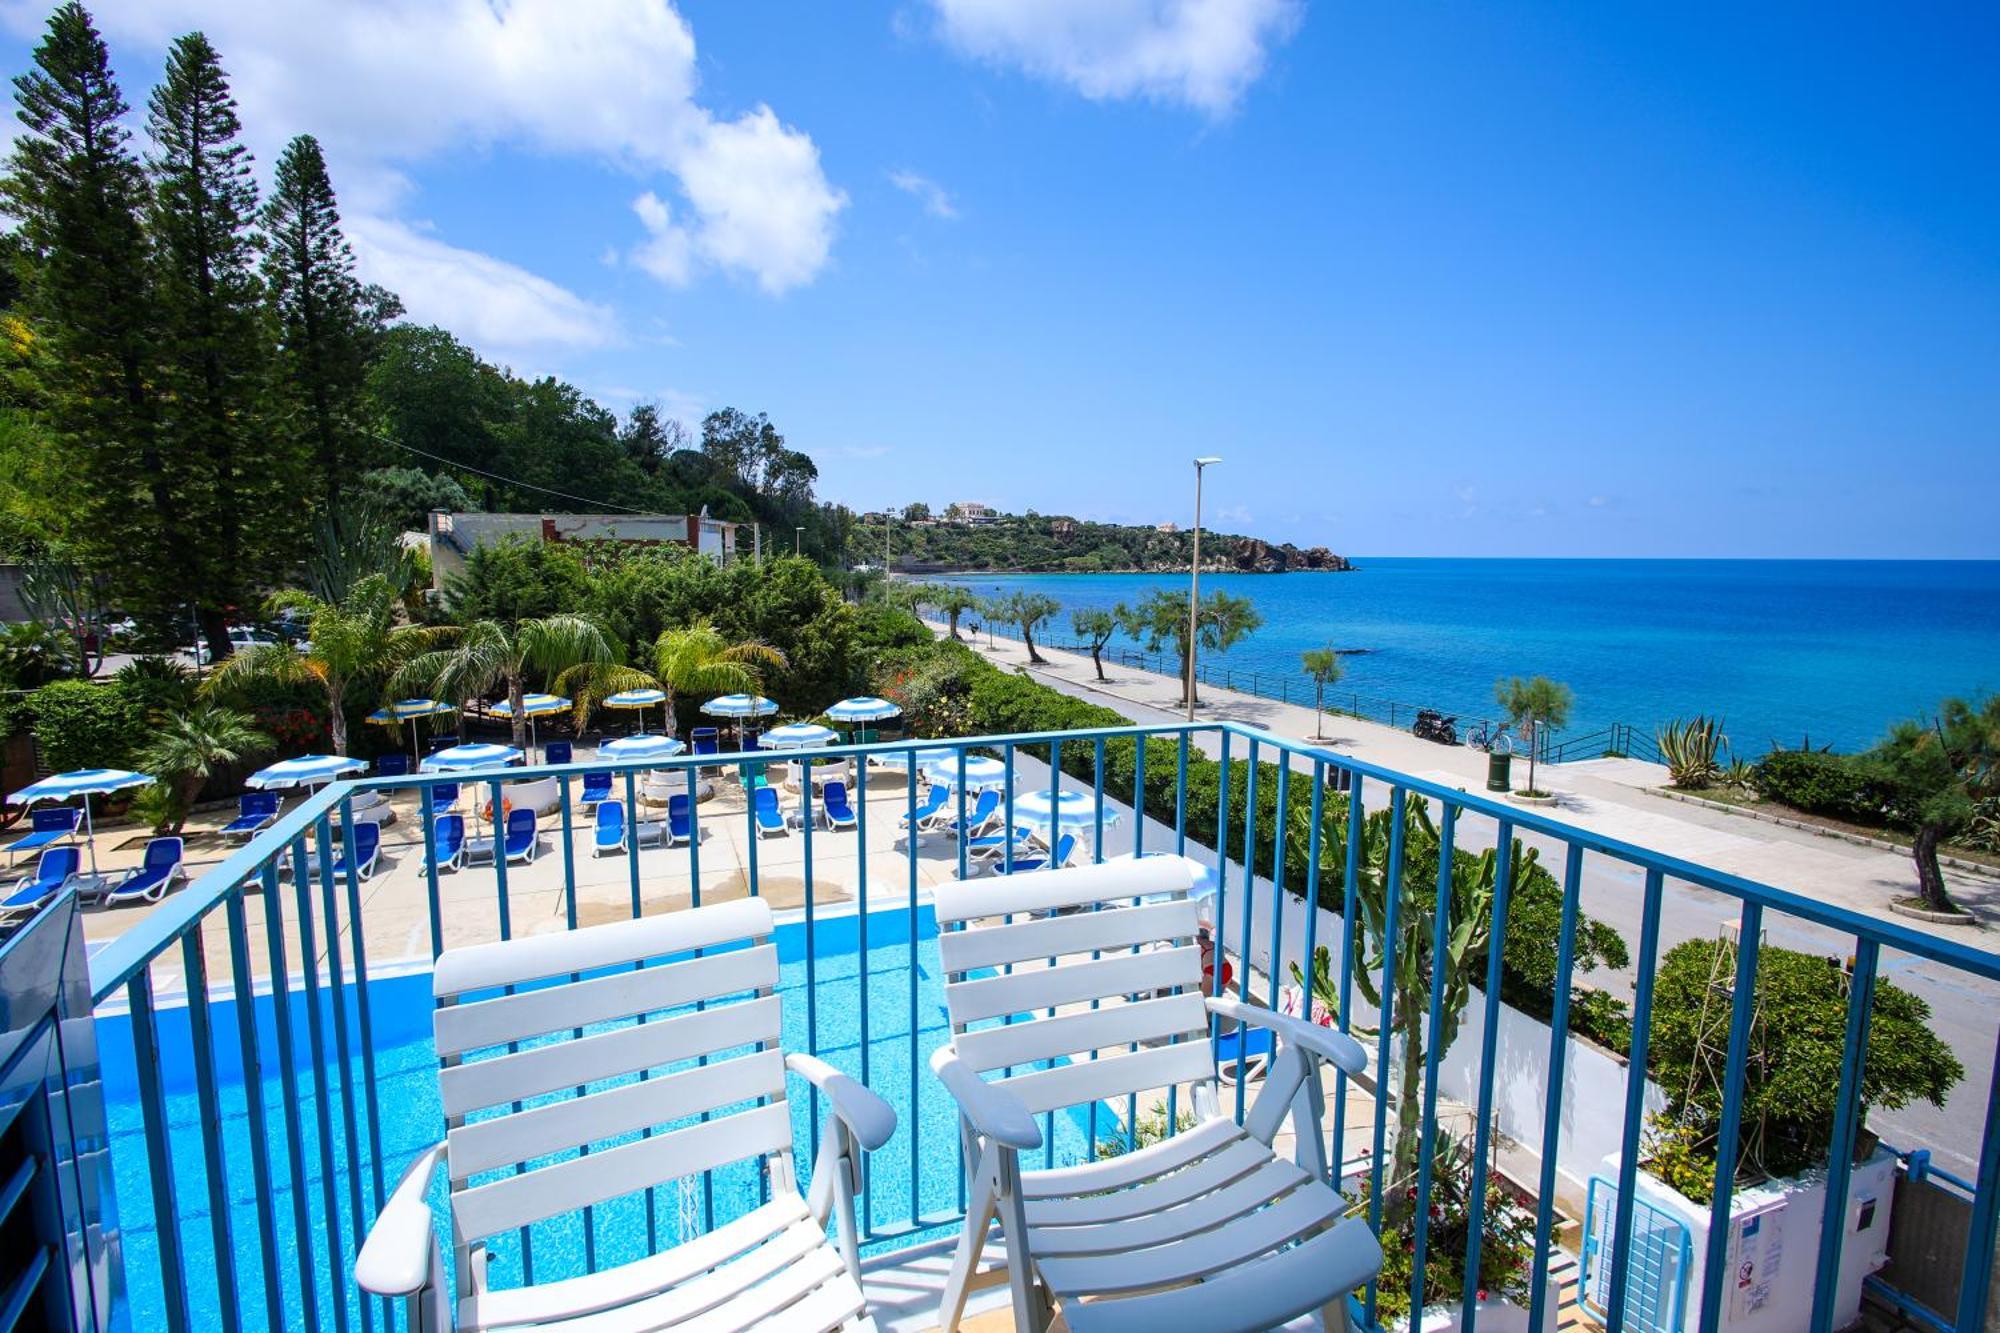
<point x="1499" y="770"/>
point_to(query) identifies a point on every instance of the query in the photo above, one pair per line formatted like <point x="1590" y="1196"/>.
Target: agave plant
<point x="1693" y="748"/>
<point x="1740" y="775"/>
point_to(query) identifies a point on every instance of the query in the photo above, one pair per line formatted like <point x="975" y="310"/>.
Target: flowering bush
<point x="1506" y="1247"/>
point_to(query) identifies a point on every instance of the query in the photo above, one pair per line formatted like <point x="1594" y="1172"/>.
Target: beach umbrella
<point x="85" y="783"/>
<point x="639" y="699"/>
<point x="799" y="736"/>
<point x="863" y="708"/>
<point x="640" y="747"/>
<point x="929" y="757"/>
<point x="1070" y="810"/>
<point x="461" y="758"/>
<point x="306" y="770"/>
<point x="980" y="771"/>
<point x="409" y="710"/>
<point x="740" y="705"/>
<point x="532" y="707"/>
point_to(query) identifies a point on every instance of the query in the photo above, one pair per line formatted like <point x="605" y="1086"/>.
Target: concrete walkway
<point x="1606" y="796"/>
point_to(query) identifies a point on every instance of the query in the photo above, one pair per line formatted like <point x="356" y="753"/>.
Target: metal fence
<point x="274" y="971"/>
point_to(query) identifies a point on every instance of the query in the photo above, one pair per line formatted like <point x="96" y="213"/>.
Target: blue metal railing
<point x="323" y="1139"/>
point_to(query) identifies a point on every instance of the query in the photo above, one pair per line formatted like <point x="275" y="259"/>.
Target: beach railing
<point x="250" y="1206"/>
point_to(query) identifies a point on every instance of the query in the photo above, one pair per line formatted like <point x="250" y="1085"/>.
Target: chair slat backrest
<point x="1077" y="985"/>
<point x="557" y="1050"/>
<point x="60" y="819"/>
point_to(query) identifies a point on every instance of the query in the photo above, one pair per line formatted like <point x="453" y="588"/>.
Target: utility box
<point x="1772" y="1253"/>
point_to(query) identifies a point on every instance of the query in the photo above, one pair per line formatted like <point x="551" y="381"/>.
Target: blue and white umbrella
<point x="1070" y="810"/>
<point x="307" y="770"/>
<point x="532" y="707"/>
<point x="798" y="736"/>
<point x="83" y="782"/>
<point x="460" y="758"/>
<point x="409" y="710"/>
<point x="863" y="708"/>
<point x="929" y="757"/>
<point x="639" y="699"/>
<point x="980" y="771"/>
<point x="740" y="705"/>
<point x="640" y="747"/>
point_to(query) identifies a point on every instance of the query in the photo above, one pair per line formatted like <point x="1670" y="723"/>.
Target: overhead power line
<point x="524" y="485"/>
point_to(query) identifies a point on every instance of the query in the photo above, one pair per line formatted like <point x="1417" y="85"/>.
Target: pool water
<point x="901" y="1206"/>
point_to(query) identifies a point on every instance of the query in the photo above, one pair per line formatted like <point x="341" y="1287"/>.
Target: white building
<point x="453" y="537"/>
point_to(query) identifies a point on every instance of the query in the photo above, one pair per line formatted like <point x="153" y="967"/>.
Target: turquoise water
<point x="1781" y="649"/>
<point x="900" y="1207"/>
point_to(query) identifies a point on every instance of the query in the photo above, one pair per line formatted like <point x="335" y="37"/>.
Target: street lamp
<point x="1194" y="583"/>
<point x="798" y="541"/>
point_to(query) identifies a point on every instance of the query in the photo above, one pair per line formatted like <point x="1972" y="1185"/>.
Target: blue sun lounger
<point x="448" y="832"/>
<point x="254" y="810"/>
<point x="522" y="836"/>
<point x="680" y="825"/>
<point x="770" y="819"/>
<point x="839" y="813"/>
<point x="149" y="882"/>
<point x="54" y="870"/>
<point x="1065" y="847"/>
<point x="48" y="828"/>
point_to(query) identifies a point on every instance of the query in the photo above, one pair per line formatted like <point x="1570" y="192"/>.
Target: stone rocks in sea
<point x="1253" y="555"/>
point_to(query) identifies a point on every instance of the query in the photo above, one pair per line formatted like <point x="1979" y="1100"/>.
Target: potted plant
<point x="1532" y="705"/>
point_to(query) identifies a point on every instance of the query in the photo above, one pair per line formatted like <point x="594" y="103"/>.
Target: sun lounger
<point x="152" y="878"/>
<point x="1037" y="860"/>
<point x="448" y="832"/>
<point x="596" y="788"/>
<point x="834" y="802"/>
<point x="367" y="847"/>
<point x="984" y="810"/>
<point x="770" y="819"/>
<point x="556" y="752"/>
<point x="392" y="765"/>
<point x="48" y="827"/>
<point x="927" y="809"/>
<point x="680" y="823"/>
<point x="52" y="871"/>
<point x="254" y="810"/>
<point x="522" y="837"/>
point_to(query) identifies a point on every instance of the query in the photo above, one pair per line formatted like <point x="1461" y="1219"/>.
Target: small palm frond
<point x="589" y="684"/>
<point x="553" y="644"/>
<point x="280" y="662"/>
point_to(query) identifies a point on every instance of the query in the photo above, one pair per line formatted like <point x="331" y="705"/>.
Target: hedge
<point x="1000" y="702"/>
<point x="1837" y="786"/>
<point x="82" y="724"/>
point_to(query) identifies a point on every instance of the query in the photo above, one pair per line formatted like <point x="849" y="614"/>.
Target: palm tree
<point x="488" y="655"/>
<point x="188" y="747"/>
<point x="353" y="641"/>
<point x="699" y="659"/>
<point x="1323" y="665"/>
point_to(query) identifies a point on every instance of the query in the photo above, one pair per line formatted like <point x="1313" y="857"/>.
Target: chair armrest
<point x="1327" y="1043"/>
<point x="995" y="1113"/>
<point x="395" y="1260"/>
<point x="867" y="1115"/>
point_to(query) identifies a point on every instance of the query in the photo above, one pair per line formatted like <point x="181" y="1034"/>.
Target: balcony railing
<point x="262" y="1048"/>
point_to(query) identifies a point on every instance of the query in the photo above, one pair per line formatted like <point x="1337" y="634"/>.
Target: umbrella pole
<point x="89" y="833"/>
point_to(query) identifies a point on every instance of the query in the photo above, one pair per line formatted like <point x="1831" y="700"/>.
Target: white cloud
<point x="488" y="302"/>
<point x="387" y="85"/>
<point x="1200" y="53"/>
<point x="935" y="198"/>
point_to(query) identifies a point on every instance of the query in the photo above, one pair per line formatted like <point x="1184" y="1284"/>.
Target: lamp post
<point x="1194" y="583"/>
<point x="798" y="541"/>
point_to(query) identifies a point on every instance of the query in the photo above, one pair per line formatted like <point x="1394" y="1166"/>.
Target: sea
<point x="1785" y="652"/>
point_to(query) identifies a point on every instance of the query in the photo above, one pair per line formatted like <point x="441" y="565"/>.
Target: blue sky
<point x="1470" y="280"/>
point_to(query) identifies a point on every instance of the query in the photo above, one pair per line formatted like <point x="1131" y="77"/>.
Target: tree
<point x="916" y="513"/>
<point x="699" y="659"/>
<point x="187" y="749"/>
<point x="650" y="439"/>
<point x="954" y="601"/>
<point x="1531" y="705"/>
<point x="214" y="348"/>
<point x="1027" y="610"/>
<point x="431" y="392"/>
<point x="1938" y="774"/>
<point x="79" y="195"/>
<point x="70" y="601"/>
<point x="354" y="641"/>
<point x="1323" y="665"/>
<point x="405" y="496"/>
<point x="1095" y="627"/>
<point x="487" y="654"/>
<point x="1162" y="618"/>
<point x="326" y="331"/>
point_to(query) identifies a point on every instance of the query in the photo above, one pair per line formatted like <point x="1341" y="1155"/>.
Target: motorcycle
<point x="1432" y="725"/>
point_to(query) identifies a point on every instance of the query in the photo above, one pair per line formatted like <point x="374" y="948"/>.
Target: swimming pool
<point x="913" y="1186"/>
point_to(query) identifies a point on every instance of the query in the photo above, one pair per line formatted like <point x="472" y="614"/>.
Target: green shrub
<point x="80" y="724"/>
<point x="1819" y="782"/>
<point x="1798" y="1047"/>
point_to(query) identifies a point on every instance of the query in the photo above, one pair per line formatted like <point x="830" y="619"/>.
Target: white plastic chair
<point x="1209" y="1229"/>
<point x="772" y="1267"/>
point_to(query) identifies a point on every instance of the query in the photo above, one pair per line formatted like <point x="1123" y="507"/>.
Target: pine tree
<point x="216" y="345"/>
<point x="79" y="193"/>
<point x="327" y="325"/>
